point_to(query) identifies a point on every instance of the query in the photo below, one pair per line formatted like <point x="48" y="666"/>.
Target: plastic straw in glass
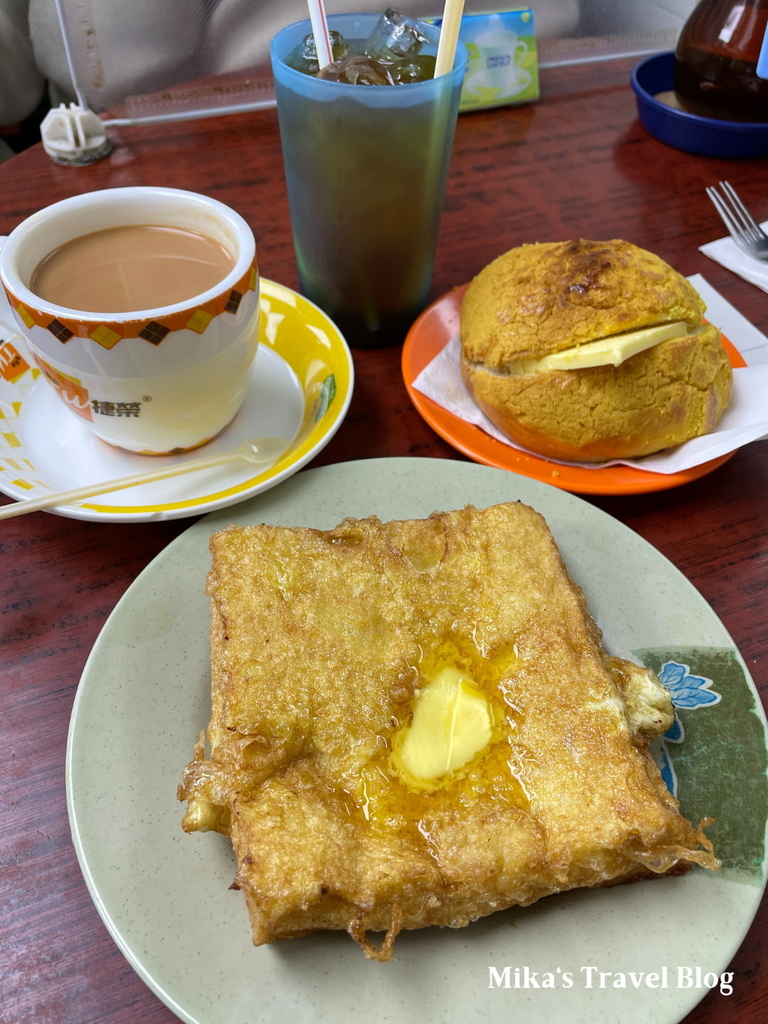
<point x="320" y="32"/>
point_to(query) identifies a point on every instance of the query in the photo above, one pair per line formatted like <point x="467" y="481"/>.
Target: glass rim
<point x="459" y="62"/>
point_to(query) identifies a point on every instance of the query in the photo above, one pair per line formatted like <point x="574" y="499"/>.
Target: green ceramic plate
<point x="165" y="896"/>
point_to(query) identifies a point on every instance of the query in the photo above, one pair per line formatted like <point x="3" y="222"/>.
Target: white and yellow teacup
<point x="158" y="380"/>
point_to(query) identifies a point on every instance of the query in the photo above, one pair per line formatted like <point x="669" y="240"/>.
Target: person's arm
<point x="21" y="82"/>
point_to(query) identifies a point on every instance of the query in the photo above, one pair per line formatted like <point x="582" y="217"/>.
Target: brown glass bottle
<point x="715" y="60"/>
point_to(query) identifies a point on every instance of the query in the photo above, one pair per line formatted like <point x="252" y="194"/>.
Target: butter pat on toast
<point x="415" y="723"/>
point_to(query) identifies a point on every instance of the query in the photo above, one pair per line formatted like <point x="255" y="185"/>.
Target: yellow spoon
<point x="258" y="450"/>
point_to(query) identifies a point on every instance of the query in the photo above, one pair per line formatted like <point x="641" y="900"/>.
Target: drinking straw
<point x="320" y="32"/>
<point x="449" y="36"/>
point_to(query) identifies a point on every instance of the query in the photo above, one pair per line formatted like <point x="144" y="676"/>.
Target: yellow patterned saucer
<point x="301" y="387"/>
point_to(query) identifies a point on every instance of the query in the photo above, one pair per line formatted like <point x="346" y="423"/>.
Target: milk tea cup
<point x="140" y="307"/>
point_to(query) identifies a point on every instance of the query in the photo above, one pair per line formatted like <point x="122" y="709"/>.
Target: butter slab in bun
<point x="586" y="351"/>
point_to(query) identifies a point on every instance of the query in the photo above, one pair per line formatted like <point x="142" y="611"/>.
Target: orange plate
<point x="432" y="331"/>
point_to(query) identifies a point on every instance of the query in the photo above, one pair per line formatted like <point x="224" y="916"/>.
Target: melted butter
<point x="452" y="722"/>
<point x="392" y="799"/>
<point x="486" y="664"/>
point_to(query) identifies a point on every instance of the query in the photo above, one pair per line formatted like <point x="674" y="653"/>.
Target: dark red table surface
<point x="577" y="163"/>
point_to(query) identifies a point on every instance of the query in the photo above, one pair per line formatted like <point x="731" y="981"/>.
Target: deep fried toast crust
<point x="320" y="641"/>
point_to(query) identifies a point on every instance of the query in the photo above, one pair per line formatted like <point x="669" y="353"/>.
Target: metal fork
<point x="742" y="226"/>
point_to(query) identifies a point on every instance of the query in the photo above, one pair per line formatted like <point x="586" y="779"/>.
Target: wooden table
<point x="575" y="164"/>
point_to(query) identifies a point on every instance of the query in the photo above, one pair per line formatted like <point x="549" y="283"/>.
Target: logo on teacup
<point x="70" y="389"/>
<point x="13" y="365"/>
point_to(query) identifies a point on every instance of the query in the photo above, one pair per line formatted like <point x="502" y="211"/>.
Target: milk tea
<point x="131" y="267"/>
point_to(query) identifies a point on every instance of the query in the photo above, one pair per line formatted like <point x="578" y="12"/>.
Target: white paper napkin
<point x="745" y="420"/>
<point x="728" y="254"/>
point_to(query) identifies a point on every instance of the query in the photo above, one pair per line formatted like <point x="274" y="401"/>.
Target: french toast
<point x="415" y="723"/>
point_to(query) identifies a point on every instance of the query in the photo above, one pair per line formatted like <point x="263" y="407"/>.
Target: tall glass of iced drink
<point x="366" y="167"/>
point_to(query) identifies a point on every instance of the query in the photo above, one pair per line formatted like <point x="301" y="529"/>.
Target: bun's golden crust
<point x="668" y="394"/>
<point x="538" y="299"/>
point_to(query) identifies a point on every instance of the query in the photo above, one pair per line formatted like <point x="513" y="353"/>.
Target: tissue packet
<point x="502" y="65"/>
